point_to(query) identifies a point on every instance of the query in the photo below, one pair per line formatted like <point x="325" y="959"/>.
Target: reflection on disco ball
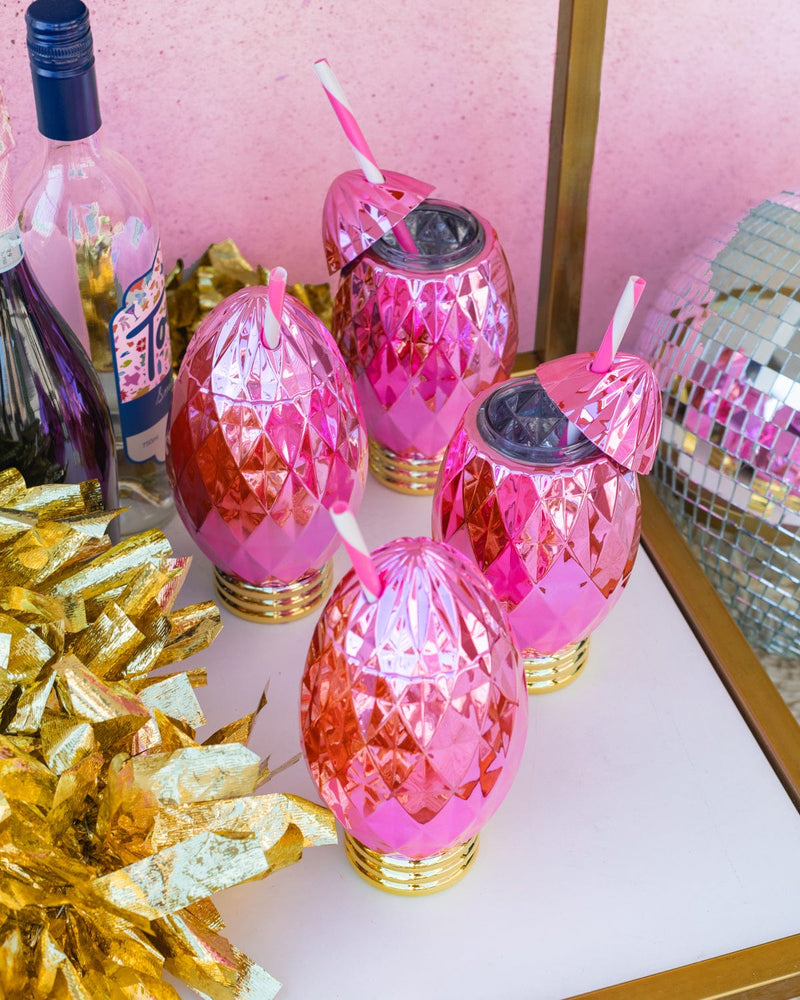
<point x="724" y="340"/>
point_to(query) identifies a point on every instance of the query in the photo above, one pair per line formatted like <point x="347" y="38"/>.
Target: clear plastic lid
<point x="445" y="235"/>
<point x="522" y="422"/>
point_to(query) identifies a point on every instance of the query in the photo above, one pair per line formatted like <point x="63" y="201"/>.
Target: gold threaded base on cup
<point x="273" y="603"/>
<point x="548" y="673"/>
<point x="411" y="877"/>
<point x="416" y="476"/>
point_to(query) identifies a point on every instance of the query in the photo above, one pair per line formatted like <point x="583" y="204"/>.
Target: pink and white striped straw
<point x="358" y="143"/>
<point x="628" y="301"/>
<point x="353" y="541"/>
<point x="276" y="292"/>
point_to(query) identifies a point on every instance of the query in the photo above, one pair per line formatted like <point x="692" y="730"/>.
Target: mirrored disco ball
<point x="724" y="340"/>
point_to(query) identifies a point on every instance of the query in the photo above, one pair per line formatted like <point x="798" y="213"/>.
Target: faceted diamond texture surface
<point x="724" y="340"/>
<point x="357" y="213"/>
<point x="557" y="542"/>
<point x="414" y="708"/>
<point x="422" y="345"/>
<point x="620" y="410"/>
<point x="261" y="442"/>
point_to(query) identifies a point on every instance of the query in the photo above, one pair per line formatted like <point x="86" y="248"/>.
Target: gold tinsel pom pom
<point x="116" y="825"/>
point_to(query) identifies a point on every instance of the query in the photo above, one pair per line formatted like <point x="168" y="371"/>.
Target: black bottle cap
<point x="62" y="68"/>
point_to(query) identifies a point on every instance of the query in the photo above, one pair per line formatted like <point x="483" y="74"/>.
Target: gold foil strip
<point x="8" y="688"/>
<point x="197" y="774"/>
<point x="65" y="741"/>
<point x="13" y="967"/>
<point x="146" y="657"/>
<point x="194" y="628"/>
<point x="88" y="697"/>
<point x="133" y="986"/>
<point x="13" y="524"/>
<point x="42" y="552"/>
<point x="175" y="697"/>
<point x="173" y="878"/>
<point x="29" y="602"/>
<point x="205" y="912"/>
<point x="61" y="499"/>
<point x="17" y="520"/>
<point x="140" y="597"/>
<point x="197" y="954"/>
<point x="234" y="732"/>
<point x="116" y="566"/>
<point x="111" y="639"/>
<point x="119" y="941"/>
<point x="222" y="971"/>
<point x="35" y="606"/>
<point x="70" y="986"/>
<point x="31" y="706"/>
<point x="197" y="677"/>
<point x="126" y="813"/>
<point x="254" y="983"/>
<point x="178" y="570"/>
<point x="12" y="487"/>
<point x="96" y="603"/>
<point x="147" y="738"/>
<point x="161" y="733"/>
<point x="265" y="816"/>
<point x="24" y="778"/>
<point x="48" y="959"/>
<point x="94" y="524"/>
<point x="74" y="785"/>
<point x="27" y="653"/>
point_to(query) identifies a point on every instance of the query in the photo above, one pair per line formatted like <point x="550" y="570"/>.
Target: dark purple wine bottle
<point x="55" y="425"/>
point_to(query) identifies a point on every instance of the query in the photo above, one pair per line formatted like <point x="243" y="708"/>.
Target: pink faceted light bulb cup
<point x="540" y="488"/>
<point x="413" y="713"/>
<point x="425" y="312"/>
<point x="265" y="435"/>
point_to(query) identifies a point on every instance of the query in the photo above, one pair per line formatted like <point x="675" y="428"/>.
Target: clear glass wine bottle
<point x="91" y="237"/>
<point x="54" y="422"/>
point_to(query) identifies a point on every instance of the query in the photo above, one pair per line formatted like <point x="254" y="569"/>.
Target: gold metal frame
<point x="573" y="128"/>
<point x="768" y="971"/>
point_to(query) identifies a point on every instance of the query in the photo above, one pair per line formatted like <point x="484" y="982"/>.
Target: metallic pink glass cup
<point x="413" y="713"/>
<point x="422" y="333"/>
<point x="551" y="519"/>
<point x="261" y="442"/>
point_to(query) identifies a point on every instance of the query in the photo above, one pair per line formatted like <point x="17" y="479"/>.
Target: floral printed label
<point x="143" y="360"/>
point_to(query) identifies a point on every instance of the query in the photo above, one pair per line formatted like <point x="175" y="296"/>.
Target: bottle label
<point x="143" y="362"/>
<point x="10" y="248"/>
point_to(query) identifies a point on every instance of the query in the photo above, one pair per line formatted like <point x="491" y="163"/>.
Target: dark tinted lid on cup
<point x="62" y="69"/>
<point x="520" y="421"/>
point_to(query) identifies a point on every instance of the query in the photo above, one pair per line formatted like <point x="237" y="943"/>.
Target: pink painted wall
<point x="697" y="123"/>
<point x="219" y="106"/>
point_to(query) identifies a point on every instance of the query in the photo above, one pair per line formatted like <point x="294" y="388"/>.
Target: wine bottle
<point x="55" y="425"/>
<point x="91" y="236"/>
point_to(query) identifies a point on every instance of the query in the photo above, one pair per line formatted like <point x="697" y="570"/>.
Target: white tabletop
<point x="645" y="830"/>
